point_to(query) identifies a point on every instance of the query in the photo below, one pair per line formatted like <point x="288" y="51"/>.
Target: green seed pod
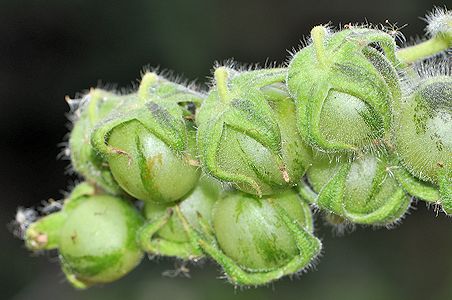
<point x="258" y="240"/>
<point x="247" y="133"/>
<point x="94" y="234"/>
<point x="361" y="191"/>
<point x="164" y="234"/>
<point x="150" y="147"/>
<point x="95" y="106"/>
<point x="342" y="79"/>
<point x="423" y="132"/>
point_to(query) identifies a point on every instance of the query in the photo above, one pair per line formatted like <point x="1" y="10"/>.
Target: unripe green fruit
<point x="343" y="89"/>
<point x="361" y="191"/>
<point x="247" y="133"/>
<point x="423" y="131"/>
<point x="95" y="106"/>
<point x="98" y="241"/>
<point x="423" y="134"/>
<point x="149" y="170"/>
<point x="251" y="232"/>
<point x="150" y="147"/>
<point x="164" y="233"/>
<point x="95" y="235"/>
<point x="257" y="240"/>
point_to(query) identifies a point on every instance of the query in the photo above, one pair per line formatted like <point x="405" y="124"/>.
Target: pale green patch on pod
<point x="258" y="240"/>
<point x="362" y="191"/>
<point x="423" y="134"/>
<point x="150" y="147"/>
<point x="247" y="133"/>
<point x="95" y="235"/>
<point x="164" y="234"/>
<point x="343" y="88"/>
<point x="95" y="106"/>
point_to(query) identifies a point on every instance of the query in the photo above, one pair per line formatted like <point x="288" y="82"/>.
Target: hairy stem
<point x="423" y="50"/>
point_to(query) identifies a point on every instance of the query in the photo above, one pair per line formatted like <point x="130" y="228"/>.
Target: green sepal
<point x="94" y="107"/>
<point x="445" y="189"/>
<point x="163" y="122"/>
<point x="163" y="232"/>
<point x="137" y="140"/>
<point x="362" y="191"/>
<point x="156" y="88"/>
<point x="154" y="245"/>
<point x="307" y="246"/>
<point x="343" y="68"/>
<point x="332" y="194"/>
<point x="247" y="133"/>
<point x="245" y="108"/>
<point x="416" y="187"/>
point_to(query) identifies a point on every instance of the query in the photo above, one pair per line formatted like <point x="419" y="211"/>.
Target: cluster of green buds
<point x="353" y="127"/>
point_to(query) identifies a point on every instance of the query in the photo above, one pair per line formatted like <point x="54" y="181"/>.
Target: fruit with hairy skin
<point x="368" y="126"/>
<point x="341" y="79"/>
<point x="95" y="235"/>
<point x="361" y="191"/>
<point x="92" y="108"/>
<point x="423" y="132"/>
<point x="150" y="146"/>
<point x="247" y="133"/>
<point x="258" y="240"/>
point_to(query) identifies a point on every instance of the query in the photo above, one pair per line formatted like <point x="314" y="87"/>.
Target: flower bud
<point x="258" y="240"/>
<point x="361" y="191"/>
<point x="95" y="106"/>
<point x="95" y="235"/>
<point x="164" y="233"/>
<point x="247" y="133"/>
<point x="150" y="146"/>
<point x="343" y="88"/>
<point x="423" y="133"/>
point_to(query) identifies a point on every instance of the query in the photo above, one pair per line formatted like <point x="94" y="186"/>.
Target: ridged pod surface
<point x="247" y="133"/>
<point x="271" y="237"/>
<point x="341" y="79"/>
<point x="164" y="233"/>
<point x="362" y="191"/>
<point x="150" y="146"/>
<point x="93" y="107"/>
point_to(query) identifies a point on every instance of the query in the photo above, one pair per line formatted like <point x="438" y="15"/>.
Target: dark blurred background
<point x="49" y="49"/>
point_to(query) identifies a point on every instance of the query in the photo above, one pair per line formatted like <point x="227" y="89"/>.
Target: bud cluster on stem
<point x="353" y="126"/>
